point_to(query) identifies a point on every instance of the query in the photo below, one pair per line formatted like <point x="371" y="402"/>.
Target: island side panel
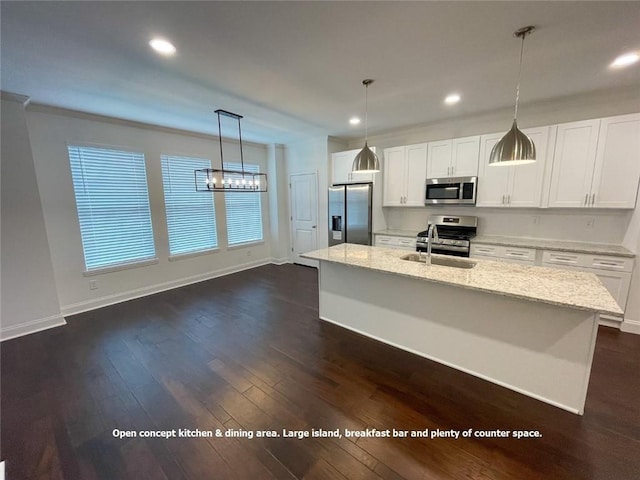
<point x="537" y="349"/>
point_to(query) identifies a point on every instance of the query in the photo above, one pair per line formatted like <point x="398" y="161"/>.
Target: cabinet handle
<point x="509" y="199"/>
<point x="586" y="198"/>
<point x="564" y="259"/>
<point x="610" y="264"/>
<point x="593" y="199"/>
<point x="503" y="199"/>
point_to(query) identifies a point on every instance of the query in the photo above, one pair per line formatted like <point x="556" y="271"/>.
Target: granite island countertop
<point x="564" y="288"/>
<point x="558" y="245"/>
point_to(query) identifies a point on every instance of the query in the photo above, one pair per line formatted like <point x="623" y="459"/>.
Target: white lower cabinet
<point x="402" y="243"/>
<point x="613" y="272"/>
<point x="523" y="256"/>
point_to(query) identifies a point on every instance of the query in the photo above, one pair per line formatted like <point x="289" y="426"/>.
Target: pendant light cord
<point x="366" y="111"/>
<point x="515" y="113"/>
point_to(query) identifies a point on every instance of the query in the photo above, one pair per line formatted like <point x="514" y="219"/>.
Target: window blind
<point x="244" y="210"/>
<point x="113" y="205"/>
<point x="191" y="217"/>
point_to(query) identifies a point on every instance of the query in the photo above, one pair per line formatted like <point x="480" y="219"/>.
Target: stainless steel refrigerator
<point x="350" y="213"/>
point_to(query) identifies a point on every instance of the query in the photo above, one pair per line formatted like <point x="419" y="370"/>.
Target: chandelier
<point x="226" y="180"/>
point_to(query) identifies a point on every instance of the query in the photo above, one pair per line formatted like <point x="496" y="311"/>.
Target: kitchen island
<point x="530" y="329"/>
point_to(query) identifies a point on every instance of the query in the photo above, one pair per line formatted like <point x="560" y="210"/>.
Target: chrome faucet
<point x="432" y="234"/>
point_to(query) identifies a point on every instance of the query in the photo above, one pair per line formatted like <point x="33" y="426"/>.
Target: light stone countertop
<point x="565" y="288"/>
<point x="399" y="233"/>
<point x="558" y="245"/>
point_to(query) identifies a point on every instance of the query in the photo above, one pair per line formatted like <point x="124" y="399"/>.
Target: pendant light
<point x="515" y="148"/>
<point x="366" y="161"/>
<point x="225" y="180"/>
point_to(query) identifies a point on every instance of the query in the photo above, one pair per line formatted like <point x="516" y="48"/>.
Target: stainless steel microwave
<point x="451" y="191"/>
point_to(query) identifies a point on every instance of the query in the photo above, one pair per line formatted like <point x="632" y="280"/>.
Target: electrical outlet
<point x="93" y="284"/>
<point x="591" y="222"/>
<point x="535" y="219"/>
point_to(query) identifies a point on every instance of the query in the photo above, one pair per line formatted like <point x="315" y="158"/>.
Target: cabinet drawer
<point x="620" y="264"/>
<point x="384" y="240"/>
<point x="521" y="254"/>
<point x="562" y="258"/>
<point x="485" y="250"/>
<point x="409" y="243"/>
<point x="584" y="260"/>
<point x="404" y="243"/>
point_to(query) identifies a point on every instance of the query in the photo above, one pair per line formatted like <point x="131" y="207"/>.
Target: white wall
<point x="51" y="130"/>
<point x="278" y="204"/>
<point x="309" y="156"/>
<point x="29" y="297"/>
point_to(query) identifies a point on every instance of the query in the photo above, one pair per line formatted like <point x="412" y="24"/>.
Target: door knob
<point x="313" y="226"/>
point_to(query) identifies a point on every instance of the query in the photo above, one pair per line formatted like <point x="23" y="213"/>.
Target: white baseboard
<point x="610" y="322"/>
<point x="630" y="326"/>
<point x="107" y="300"/>
<point x="32" y="326"/>
<point x="281" y="261"/>
<point x="40" y="324"/>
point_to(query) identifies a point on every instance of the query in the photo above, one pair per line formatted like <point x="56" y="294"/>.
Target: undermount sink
<point x="444" y="262"/>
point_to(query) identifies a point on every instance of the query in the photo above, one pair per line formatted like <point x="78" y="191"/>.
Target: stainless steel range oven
<point x="454" y="235"/>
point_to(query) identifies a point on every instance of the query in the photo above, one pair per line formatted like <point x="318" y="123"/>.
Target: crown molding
<point x="67" y="112"/>
<point x="14" y="97"/>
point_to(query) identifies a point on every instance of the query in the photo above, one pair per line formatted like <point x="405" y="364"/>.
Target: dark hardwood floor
<point x="247" y="351"/>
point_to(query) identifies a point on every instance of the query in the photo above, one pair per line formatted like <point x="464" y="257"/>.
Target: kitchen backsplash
<point x="595" y="226"/>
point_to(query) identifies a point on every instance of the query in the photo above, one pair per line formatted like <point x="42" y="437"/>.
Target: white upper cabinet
<point x="464" y="162"/>
<point x="453" y="158"/>
<point x="393" y="177"/>
<point x="597" y="163"/>
<point x="573" y="162"/>
<point x="341" y="164"/>
<point x="492" y="181"/>
<point x="514" y="186"/>
<point x="416" y="158"/>
<point x="439" y="159"/>
<point x="526" y="181"/>
<point x="404" y="174"/>
<point x="617" y="166"/>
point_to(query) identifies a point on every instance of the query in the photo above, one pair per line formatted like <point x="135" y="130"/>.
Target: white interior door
<point x="304" y="215"/>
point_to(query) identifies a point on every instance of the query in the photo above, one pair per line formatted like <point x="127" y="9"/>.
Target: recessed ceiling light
<point x="452" y="99"/>
<point x="354" y="120"/>
<point x="162" y="46"/>
<point x="625" y="60"/>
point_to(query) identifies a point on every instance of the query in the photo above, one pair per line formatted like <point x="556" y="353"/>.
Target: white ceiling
<point x="295" y="68"/>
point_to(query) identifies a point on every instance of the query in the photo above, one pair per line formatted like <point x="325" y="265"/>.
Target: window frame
<point x="126" y="264"/>
<point x="191" y="188"/>
<point x="261" y="240"/>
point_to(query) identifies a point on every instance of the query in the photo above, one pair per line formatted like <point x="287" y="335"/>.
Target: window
<point x="191" y="217"/>
<point x="244" y="211"/>
<point x="113" y="206"/>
